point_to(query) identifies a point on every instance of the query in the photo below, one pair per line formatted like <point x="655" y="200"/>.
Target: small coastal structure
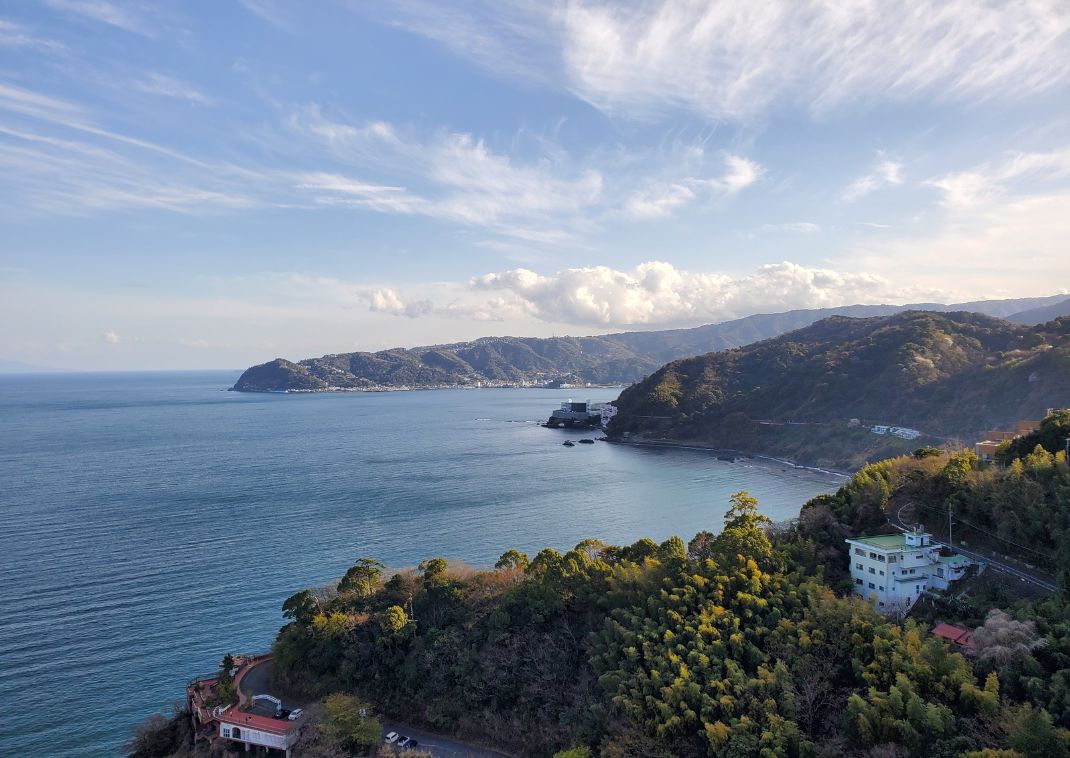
<point x="608" y="412"/>
<point x="879" y="429"/>
<point x="572" y="414"/>
<point x="247" y="721"/>
<point x="894" y="570"/>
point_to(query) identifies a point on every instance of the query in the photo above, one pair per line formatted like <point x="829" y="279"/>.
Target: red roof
<point x="235" y="717"/>
<point x="955" y="634"/>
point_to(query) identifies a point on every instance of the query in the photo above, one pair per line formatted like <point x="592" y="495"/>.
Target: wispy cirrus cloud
<point x="965" y="189"/>
<point x="121" y="16"/>
<point x="548" y="198"/>
<point x="663" y="198"/>
<point x="886" y="173"/>
<point x="725" y="59"/>
<point x="16" y="35"/>
<point x="166" y="86"/>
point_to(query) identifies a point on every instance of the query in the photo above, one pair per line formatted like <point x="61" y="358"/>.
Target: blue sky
<point x="215" y="184"/>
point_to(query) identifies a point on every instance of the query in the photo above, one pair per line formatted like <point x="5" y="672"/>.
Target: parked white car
<point x="391" y="738"/>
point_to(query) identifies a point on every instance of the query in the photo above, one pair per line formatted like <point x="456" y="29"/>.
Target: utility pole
<point x="950" y="542"/>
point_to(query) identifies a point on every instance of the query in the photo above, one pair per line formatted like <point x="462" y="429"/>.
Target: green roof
<point x="955" y="560"/>
<point x="883" y="541"/>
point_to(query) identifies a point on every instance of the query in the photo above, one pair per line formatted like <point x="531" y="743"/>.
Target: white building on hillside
<point x="893" y="570"/>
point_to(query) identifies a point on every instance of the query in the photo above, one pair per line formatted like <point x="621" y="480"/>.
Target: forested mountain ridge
<point x="946" y="374"/>
<point x="605" y="359"/>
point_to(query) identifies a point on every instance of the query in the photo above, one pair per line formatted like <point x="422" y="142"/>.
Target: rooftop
<point x="955" y="560"/>
<point x="237" y="717"/>
<point x="882" y="541"/>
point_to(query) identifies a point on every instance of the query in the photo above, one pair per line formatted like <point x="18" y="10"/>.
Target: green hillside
<point x="603" y="359"/>
<point x="949" y="375"/>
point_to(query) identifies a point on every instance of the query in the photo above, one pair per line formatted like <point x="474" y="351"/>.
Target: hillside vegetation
<point x="605" y="359"/>
<point x="742" y="643"/>
<point x="950" y="375"/>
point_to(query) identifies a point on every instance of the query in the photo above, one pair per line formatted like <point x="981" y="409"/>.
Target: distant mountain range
<point x="17" y="367"/>
<point x="948" y="375"/>
<point x="606" y="359"/>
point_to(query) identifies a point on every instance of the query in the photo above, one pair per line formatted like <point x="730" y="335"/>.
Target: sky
<point x="215" y="184"/>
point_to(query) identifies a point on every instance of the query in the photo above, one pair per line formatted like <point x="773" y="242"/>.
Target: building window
<point x="940" y="572"/>
<point x="881" y="558"/>
<point x="873" y="556"/>
<point x="872" y="570"/>
<point x="858" y="566"/>
<point x="881" y="589"/>
<point x="882" y="603"/>
<point x="225" y="731"/>
<point x="891" y="559"/>
<point x="858" y="581"/>
<point x="860" y="551"/>
<point x="882" y="573"/>
<point x="917" y="588"/>
<point x="235" y="733"/>
<point x="871" y="586"/>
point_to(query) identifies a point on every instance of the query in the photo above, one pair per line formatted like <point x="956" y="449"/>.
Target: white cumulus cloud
<point x="658" y="293"/>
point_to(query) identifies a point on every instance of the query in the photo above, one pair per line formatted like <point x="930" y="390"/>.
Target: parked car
<point x="391" y="738"/>
<point x="295" y="714"/>
<point x="408" y="742"/>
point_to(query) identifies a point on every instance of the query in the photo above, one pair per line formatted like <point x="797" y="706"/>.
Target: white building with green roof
<point x="893" y="570"/>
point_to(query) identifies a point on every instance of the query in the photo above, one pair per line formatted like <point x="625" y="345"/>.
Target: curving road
<point x="1039" y="580"/>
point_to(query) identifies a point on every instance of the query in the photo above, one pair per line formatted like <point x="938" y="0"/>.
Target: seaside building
<point x="276" y="729"/>
<point x="608" y="411"/>
<point x="893" y="570"/>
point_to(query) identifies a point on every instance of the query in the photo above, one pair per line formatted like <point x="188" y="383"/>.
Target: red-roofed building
<point x="213" y="722"/>
<point x="956" y="635"/>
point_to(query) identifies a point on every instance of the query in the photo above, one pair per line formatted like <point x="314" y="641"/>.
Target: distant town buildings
<point x="903" y="432"/>
<point x="893" y="570"/>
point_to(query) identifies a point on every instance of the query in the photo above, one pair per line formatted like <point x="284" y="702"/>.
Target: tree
<point x="348" y="722"/>
<point x="300" y="607"/>
<point x="743" y="530"/>
<point x="512" y="559"/>
<point x="700" y="548"/>
<point x="434" y="569"/>
<point x="1032" y="734"/>
<point x="1002" y="640"/>
<point x="362" y="578"/>
<point x="395" y="622"/>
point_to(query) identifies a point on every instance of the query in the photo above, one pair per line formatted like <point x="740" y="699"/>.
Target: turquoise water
<point x="152" y="522"/>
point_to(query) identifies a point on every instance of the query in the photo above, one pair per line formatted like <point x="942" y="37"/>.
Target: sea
<point x="151" y="522"/>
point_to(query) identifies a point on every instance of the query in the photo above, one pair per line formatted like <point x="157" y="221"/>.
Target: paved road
<point x="1038" y="580"/>
<point x="442" y="747"/>
<point x="255" y="682"/>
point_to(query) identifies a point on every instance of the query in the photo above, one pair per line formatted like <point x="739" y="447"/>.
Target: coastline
<point x="720" y="451"/>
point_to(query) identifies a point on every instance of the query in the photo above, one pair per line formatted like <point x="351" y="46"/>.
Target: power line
<point x="932" y="508"/>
